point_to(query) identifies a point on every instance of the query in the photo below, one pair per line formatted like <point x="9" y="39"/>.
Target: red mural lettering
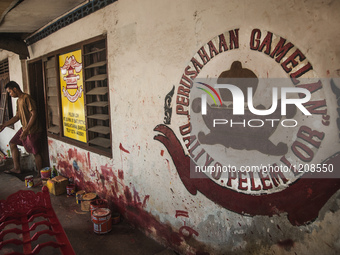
<point x="242" y="180"/>
<point x="300" y="72"/>
<point x="183" y="91"/>
<point x="325" y="120"/>
<point x="264" y="177"/>
<point x="185" y="129"/>
<point x="302" y="151"/>
<point x="275" y="176"/>
<point x="199" y="155"/>
<point x="208" y="160"/>
<point x="266" y="43"/>
<point x="231" y="176"/>
<point x="217" y="174"/>
<point x="233" y="36"/>
<point x="291" y="60"/>
<point x="281" y="49"/>
<point x="180" y="213"/>
<point x="182" y="100"/>
<point x="252" y="182"/>
<point x="255" y="37"/>
<point x="212" y="49"/>
<point x="187" y="72"/>
<point x="307" y="190"/>
<point x="180" y="110"/>
<point x="222" y="45"/>
<point x="312" y="106"/>
<point x="198" y="66"/>
<point x="204" y="55"/>
<point x="312" y="87"/>
<point x="309" y="136"/>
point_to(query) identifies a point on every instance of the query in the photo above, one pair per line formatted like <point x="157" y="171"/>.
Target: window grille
<point x="96" y="96"/>
<point x="6" y="112"/>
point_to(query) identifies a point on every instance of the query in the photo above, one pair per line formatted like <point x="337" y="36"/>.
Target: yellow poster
<point x="72" y="95"/>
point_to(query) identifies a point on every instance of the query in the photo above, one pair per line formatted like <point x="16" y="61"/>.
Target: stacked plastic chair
<point x="29" y="224"/>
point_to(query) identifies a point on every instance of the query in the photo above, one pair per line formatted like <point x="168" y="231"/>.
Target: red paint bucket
<point x="86" y="200"/>
<point x="98" y="203"/>
<point x="102" y="221"/>
<point x="71" y="190"/>
<point x="29" y="181"/>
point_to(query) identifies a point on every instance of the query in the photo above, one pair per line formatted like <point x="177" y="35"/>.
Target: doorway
<point x="36" y="87"/>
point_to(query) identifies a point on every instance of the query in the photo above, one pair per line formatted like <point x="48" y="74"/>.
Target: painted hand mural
<point x="299" y="192"/>
<point x="302" y="200"/>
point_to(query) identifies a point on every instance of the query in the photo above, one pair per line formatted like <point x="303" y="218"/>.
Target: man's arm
<point x="10" y="122"/>
<point x="31" y="122"/>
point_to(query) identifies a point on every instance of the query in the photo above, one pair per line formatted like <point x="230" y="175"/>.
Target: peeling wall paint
<point x="150" y="44"/>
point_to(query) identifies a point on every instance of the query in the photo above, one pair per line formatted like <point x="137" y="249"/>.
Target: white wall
<point x="15" y="74"/>
<point x="149" y="45"/>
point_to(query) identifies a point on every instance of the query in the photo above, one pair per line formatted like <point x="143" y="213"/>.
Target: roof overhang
<point x="21" y="18"/>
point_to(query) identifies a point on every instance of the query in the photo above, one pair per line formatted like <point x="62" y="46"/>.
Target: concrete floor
<point x="122" y="240"/>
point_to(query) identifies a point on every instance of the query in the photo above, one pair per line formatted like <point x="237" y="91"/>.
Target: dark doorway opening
<point x="36" y="87"/>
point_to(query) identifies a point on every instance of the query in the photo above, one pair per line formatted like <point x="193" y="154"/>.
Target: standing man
<point x="30" y="133"/>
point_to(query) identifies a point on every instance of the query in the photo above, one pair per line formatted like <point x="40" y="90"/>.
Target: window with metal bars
<point x="95" y="97"/>
<point x="51" y="89"/>
<point x="6" y="111"/>
<point x="97" y="100"/>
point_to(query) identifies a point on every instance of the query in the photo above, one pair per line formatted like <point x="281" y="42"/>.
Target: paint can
<point x="29" y="181"/>
<point x="97" y="203"/>
<point x="85" y="203"/>
<point x="79" y="196"/>
<point x="102" y="221"/>
<point x="45" y="173"/>
<point x="71" y="190"/>
<point x="115" y="218"/>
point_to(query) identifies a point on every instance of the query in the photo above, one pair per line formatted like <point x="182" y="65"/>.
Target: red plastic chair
<point x="25" y="208"/>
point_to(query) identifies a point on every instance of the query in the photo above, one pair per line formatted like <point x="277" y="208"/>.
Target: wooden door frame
<point x="35" y="71"/>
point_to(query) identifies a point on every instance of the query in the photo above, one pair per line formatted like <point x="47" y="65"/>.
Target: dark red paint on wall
<point x="109" y="186"/>
<point x="122" y="148"/>
<point x="312" y="193"/>
<point x="121" y="174"/>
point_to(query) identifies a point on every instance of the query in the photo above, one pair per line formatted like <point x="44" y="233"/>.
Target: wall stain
<point x="108" y="185"/>
<point x="123" y="149"/>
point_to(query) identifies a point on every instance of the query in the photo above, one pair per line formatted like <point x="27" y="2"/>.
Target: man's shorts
<point x="31" y="143"/>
